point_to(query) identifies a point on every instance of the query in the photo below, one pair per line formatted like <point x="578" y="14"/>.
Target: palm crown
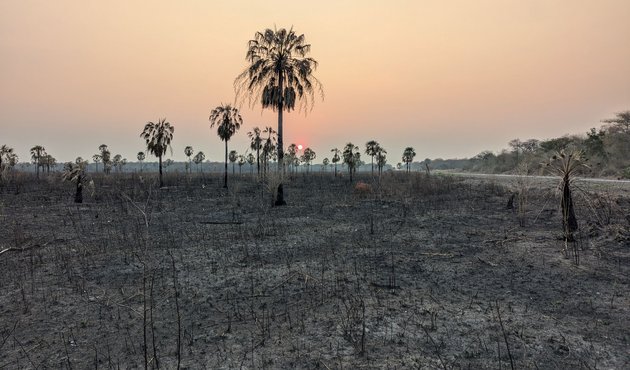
<point x="227" y="119"/>
<point x="158" y="136"/>
<point x="279" y="73"/>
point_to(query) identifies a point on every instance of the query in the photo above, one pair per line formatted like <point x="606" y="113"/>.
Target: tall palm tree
<point x="141" y="156"/>
<point x="158" y="137"/>
<point x="256" y="144"/>
<point x="228" y="121"/>
<point x="278" y="75"/>
<point x="408" y="154"/>
<point x="189" y="151"/>
<point x="38" y="152"/>
<point x="371" y="148"/>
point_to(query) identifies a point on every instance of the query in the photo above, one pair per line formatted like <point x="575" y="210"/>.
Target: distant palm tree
<point x="278" y="75"/>
<point x="189" y="151"/>
<point x="96" y="158"/>
<point x="241" y="162"/>
<point x="158" y="137"/>
<point x="381" y="159"/>
<point x="117" y="162"/>
<point x="292" y="151"/>
<point x="371" y="148"/>
<point x="105" y="156"/>
<point x="250" y="161"/>
<point x="228" y="121"/>
<point x="198" y="159"/>
<point x="141" y="156"/>
<point x="38" y="152"/>
<point x="351" y="157"/>
<point x="233" y="156"/>
<point x="325" y="163"/>
<point x="268" y="147"/>
<point x="336" y="158"/>
<point x="5" y="153"/>
<point x="408" y="154"/>
<point x="256" y="144"/>
<point x="307" y="157"/>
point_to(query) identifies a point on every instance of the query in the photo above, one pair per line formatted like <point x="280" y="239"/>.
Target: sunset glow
<point x="448" y="78"/>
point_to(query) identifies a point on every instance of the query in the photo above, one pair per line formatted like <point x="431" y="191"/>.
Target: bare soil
<point x="419" y="272"/>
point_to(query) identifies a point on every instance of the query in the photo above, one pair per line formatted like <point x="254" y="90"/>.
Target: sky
<point x="450" y="78"/>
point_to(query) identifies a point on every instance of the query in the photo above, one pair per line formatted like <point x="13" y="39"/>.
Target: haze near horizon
<point x="450" y="79"/>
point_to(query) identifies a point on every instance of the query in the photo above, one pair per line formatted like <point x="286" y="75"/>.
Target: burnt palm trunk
<point x="226" y="166"/>
<point x="78" y="195"/>
<point x="569" y="221"/>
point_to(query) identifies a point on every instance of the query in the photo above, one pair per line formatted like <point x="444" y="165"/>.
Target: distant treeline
<point x="606" y="148"/>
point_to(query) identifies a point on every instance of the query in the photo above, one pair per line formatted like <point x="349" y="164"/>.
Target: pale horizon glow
<point x="450" y="79"/>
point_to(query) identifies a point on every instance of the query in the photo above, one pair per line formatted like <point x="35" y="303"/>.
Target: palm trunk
<point x="160" y="164"/>
<point x="232" y="168"/>
<point x="226" y="168"/>
<point x="78" y="196"/>
<point x="280" y="198"/>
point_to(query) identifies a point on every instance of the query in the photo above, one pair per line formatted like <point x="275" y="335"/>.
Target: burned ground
<point x="419" y="272"/>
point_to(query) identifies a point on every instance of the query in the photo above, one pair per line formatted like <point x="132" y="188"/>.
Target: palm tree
<point x="250" y="161"/>
<point x="117" y="162"/>
<point x="256" y="144"/>
<point x="307" y="157"/>
<point x="325" y="163"/>
<point x="189" y="151"/>
<point x="75" y="172"/>
<point x="5" y="154"/>
<point x="104" y="156"/>
<point x="233" y="156"/>
<point x="96" y="158"/>
<point x="141" y="156"/>
<point x="268" y="146"/>
<point x="381" y="159"/>
<point x="336" y="158"/>
<point x="408" y="154"/>
<point x="158" y="137"/>
<point x="38" y="152"/>
<point x="371" y="148"/>
<point x="241" y="162"/>
<point x="278" y="75"/>
<point x="228" y="121"/>
<point x="292" y="151"/>
<point x="198" y="159"/>
<point x="351" y="157"/>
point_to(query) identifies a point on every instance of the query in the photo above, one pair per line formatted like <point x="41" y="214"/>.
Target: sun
<point x="299" y="146"/>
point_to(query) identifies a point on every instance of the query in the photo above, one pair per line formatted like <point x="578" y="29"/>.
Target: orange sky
<point x="450" y="78"/>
